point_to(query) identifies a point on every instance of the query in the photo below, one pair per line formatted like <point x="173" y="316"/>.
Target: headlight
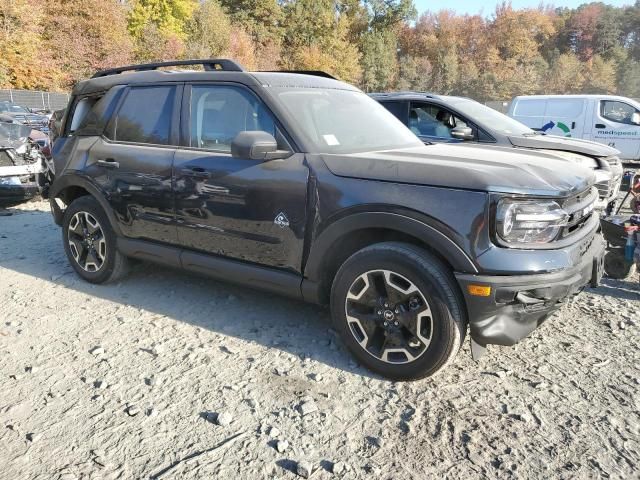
<point x="583" y="160"/>
<point x="521" y="222"/>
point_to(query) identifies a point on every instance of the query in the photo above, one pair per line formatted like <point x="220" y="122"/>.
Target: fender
<point x="441" y="243"/>
<point x="77" y="180"/>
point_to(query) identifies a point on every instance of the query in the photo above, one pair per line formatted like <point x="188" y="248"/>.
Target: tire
<point x="615" y="266"/>
<point x="94" y="258"/>
<point x="423" y="324"/>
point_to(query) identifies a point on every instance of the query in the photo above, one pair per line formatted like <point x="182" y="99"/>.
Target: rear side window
<point x="530" y="108"/>
<point x="564" y="107"/>
<point x="144" y="116"/>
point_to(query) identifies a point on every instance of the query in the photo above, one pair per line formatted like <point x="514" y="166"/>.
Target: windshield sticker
<point x="331" y="140"/>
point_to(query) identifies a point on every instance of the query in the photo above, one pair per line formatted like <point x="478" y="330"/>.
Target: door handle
<point x="197" y="172"/>
<point x="108" y="163"/>
<point x="600" y="125"/>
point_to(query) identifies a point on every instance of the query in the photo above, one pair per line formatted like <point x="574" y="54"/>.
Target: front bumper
<point x="517" y="305"/>
<point x="15" y="194"/>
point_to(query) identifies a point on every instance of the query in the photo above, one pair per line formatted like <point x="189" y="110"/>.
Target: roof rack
<point x="315" y="73"/>
<point x="209" y="64"/>
<point x="406" y="92"/>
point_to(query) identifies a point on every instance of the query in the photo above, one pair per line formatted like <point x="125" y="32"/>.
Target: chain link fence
<point x="36" y="98"/>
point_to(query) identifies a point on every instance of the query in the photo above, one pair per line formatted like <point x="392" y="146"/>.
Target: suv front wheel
<point x="90" y="242"/>
<point x="399" y="310"/>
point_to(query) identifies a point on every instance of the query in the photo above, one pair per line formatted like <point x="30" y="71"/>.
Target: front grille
<point x="580" y="210"/>
<point x="603" y="189"/>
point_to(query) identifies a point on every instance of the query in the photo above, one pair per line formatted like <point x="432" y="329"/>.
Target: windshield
<point x="492" y="119"/>
<point x="13" y="134"/>
<point x="344" y="121"/>
<point x="12" y="107"/>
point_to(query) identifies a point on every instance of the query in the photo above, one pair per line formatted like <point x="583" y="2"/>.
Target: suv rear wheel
<point x="399" y="310"/>
<point x="90" y="242"/>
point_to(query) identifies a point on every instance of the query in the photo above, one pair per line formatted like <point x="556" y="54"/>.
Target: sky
<point x="487" y="7"/>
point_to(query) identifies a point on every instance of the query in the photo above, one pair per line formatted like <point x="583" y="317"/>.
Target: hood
<point x="554" y="142"/>
<point x="460" y="166"/>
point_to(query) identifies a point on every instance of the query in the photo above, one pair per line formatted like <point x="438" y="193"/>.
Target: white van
<point x="608" y="119"/>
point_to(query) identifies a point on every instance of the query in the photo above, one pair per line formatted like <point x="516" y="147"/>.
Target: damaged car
<point x="24" y="171"/>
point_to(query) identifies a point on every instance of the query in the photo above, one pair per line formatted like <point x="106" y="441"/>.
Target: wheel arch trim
<point x="429" y="235"/>
<point x="66" y="181"/>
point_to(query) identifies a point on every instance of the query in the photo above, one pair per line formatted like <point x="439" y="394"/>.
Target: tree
<point x="316" y="37"/>
<point x="84" y="36"/>
<point x="170" y="16"/>
<point x="600" y="76"/>
<point x="260" y="18"/>
<point x="379" y="60"/>
<point x="565" y="76"/>
<point x="209" y="31"/>
<point x="22" y="59"/>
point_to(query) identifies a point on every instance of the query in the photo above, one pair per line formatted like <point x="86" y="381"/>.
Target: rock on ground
<point x="562" y="404"/>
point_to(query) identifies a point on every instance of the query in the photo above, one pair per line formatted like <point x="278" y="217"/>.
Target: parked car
<point x="607" y="119"/>
<point x="22" y="167"/>
<point x="442" y="118"/>
<point x="303" y="185"/>
<point x="24" y="116"/>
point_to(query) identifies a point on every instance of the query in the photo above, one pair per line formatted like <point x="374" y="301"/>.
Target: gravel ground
<point x="167" y="375"/>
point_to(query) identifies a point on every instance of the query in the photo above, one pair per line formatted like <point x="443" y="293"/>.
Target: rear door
<point x="614" y="126"/>
<point x="565" y="117"/>
<point x="237" y="207"/>
<point x="132" y="162"/>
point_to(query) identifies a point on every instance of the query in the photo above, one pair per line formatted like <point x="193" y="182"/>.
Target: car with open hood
<point x="302" y="185"/>
<point x="449" y="119"/>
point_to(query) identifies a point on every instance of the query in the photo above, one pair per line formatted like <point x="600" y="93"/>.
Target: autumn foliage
<point x="377" y="44"/>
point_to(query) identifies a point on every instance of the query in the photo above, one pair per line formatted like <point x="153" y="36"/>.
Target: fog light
<point x="479" y="290"/>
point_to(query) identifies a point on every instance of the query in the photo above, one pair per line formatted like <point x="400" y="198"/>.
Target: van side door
<point x="565" y="117"/>
<point x="249" y="210"/>
<point x="615" y="126"/>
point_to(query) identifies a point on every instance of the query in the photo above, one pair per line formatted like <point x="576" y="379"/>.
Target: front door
<point x="133" y="162"/>
<point x="614" y="126"/>
<point x="240" y="208"/>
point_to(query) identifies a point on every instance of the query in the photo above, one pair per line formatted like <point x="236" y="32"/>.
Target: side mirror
<point x="635" y="118"/>
<point x="256" y="145"/>
<point x="462" y="133"/>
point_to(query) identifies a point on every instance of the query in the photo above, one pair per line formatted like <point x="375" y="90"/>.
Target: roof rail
<point x="315" y="73"/>
<point x="208" y="64"/>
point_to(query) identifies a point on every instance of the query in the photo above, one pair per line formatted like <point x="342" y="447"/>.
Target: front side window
<point x="219" y="113"/>
<point x="433" y="121"/>
<point x="145" y="116"/>
<point x="618" y="112"/>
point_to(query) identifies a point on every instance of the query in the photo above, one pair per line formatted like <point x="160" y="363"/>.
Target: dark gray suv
<point x="266" y="179"/>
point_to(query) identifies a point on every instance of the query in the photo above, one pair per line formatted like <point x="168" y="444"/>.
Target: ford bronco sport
<point x="302" y="185"/>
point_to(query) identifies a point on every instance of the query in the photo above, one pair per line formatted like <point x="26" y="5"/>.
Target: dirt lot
<point x="133" y="380"/>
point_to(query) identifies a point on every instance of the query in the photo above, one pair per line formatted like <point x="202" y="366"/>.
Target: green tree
<point x="629" y="79"/>
<point x="600" y="76"/>
<point x="317" y="37"/>
<point x="565" y="76"/>
<point x="260" y="18"/>
<point x="208" y="31"/>
<point x="170" y="16"/>
<point x="379" y="60"/>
